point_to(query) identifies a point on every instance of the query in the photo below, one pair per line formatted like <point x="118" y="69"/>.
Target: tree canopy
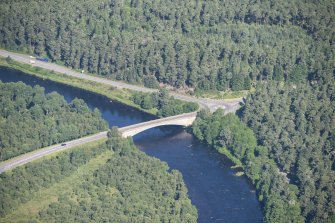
<point x="166" y="105"/>
<point x="128" y="186"/>
<point x="193" y="44"/>
<point x="296" y="125"/>
<point x="233" y="138"/>
<point x="284" y="140"/>
<point x="31" y="119"/>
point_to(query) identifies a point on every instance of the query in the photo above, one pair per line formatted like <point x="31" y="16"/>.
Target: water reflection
<point x="218" y="195"/>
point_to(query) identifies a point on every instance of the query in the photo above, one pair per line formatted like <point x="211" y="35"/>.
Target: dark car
<point x="63" y="144"/>
<point x="44" y="59"/>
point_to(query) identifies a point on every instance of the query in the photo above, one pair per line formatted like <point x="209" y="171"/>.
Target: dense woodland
<point x="296" y="125"/>
<point x="284" y="135"/>
<point x="129" y="187"/>
<point x="231" y="136"/>
<point x="195" y="44"/>
<point x="20" y="185"/>
<point x="286" y="146"/>
<point x="31" y="119"/>
<point x="166" y="105"/>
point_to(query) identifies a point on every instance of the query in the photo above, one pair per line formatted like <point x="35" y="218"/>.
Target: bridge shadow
<point x="157" y="133"/>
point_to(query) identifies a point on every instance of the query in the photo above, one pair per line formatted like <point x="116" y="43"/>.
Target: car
<point x="63" y="144"/>
<point x="43" y="59"/>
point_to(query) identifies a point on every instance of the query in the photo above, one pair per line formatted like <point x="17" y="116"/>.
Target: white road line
<point x="26" y="158"/>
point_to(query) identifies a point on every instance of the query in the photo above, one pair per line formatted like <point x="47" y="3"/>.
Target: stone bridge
<point x="185" y="119"/>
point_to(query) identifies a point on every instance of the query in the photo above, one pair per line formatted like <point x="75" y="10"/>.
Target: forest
<point x="284" y="139"/>
<point x="31" y="119"/>
<point x="230" y="136"/>
<point x="283" y="136"/>
<point x="166" y="105"/>
<point x="128" y="186"/>
<point x="190" y="45"/>
<point x="296" y="125"/>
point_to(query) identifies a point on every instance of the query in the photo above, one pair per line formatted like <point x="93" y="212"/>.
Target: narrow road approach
<point x="230" y="105"/>
<point x="34" y="155"/>
<point x="182" y="119"/>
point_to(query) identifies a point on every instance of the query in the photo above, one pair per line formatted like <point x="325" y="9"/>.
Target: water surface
<point x="218" y="195"/>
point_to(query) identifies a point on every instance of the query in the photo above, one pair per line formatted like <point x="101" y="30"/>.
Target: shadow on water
<point x="218" y="195"/>
<point x="115" y="113"/>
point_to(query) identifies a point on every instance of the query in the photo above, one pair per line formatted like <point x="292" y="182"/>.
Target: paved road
<point x="185" y="119"/>
<point x="230" y="105"/>
<point x="31" y="156"/>
<point x="34" y="155"/>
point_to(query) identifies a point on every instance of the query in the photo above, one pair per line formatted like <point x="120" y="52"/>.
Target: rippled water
<point x="218" y="195"/>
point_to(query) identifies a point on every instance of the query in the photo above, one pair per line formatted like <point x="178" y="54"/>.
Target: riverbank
<point x="189" y="94"/>
<point x="224" y="151"/>
<point x="230" y="105"/>
<point x="230" y="136"/>
<point x="213" y="189"/>
<point x="123" y="96"/>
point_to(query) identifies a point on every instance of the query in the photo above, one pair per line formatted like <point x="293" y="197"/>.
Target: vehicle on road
<point x="63" y="144"/>
<point x="43" y="59"/>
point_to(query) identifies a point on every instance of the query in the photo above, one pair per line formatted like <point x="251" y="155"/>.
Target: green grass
<point x="214" y="94"/>
<point x="123" y="96"/>
<point x="61" y="63"/>
<point x="239" y="174"/>
<point x="50" y="155"/>
<point x="230" y="156"/>
<point x="46" y="196"/>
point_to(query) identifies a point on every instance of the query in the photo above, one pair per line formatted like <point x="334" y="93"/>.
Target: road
<point x="230" y="105"/>
<point x="185" y="119"/>
<point x="212" y="104"/>
<point x="37" y="154"/>
<point x="34" y="155"/>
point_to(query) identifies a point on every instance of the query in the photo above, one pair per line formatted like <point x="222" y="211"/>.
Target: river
<point x="218" y="195"/>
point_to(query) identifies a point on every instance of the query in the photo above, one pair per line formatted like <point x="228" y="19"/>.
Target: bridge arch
<point x="183" y="120"/>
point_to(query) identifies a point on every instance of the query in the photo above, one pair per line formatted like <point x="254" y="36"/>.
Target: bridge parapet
<point x="184" y="120"/>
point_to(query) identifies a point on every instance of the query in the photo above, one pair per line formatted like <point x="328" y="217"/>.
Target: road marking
<point x="34" y="155"/>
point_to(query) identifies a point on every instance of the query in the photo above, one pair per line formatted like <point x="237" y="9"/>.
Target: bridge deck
<point x="157" y="121"/>
<point x="185" y="119"/>
<point x="182" y="119"/>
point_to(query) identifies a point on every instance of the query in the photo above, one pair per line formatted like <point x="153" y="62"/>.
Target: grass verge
<point x="3" y="163"/>
<point x="27" y="211"/>
<point x="214" y="94"/>
<point x="123" y="96"/>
